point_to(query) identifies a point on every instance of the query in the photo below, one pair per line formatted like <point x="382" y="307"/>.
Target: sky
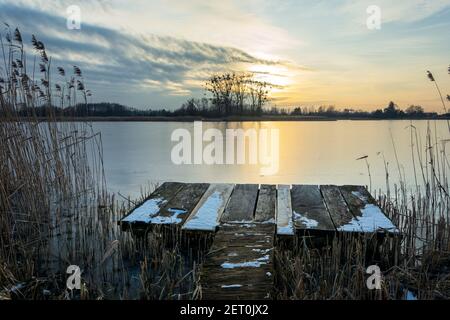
<point x="157" y="54"/>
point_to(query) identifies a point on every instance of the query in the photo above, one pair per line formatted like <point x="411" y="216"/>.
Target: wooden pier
<point x="247" y="220"/>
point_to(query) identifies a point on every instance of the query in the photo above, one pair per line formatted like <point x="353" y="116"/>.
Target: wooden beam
<point x="309" y="210"/>
<point x="178" y="209"/>
<point x="265" y="208"/>
<point x="206" y="214"/>
<point x="150" y="207"/>
<point x="241" y="205"/>
<point x="342" y="217"/>
<point x="240" y="263"/>
<point x="368" y="214"/>
<point x="284" y="211"/>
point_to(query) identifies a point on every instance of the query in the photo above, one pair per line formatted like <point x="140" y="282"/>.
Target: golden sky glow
<point x="316" y="52"/>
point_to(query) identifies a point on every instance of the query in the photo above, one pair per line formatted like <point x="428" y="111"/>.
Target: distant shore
<point x="196" y="118"/>
<point x="220" y="119"/>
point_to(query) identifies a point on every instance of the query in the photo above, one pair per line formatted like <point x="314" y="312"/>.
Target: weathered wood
<point x="367" y="213"/>
<point x="250" y="233"/>
<point x="304" y="208"/>
<point x="178" y="209"/>
<point x="240" y="260"/>
<point x="207" y="212"/>
<point x="141" y="216"/>
<point x="285" y="225"/>
<point x="342" y="217"/>
<point x="265" y="207"/>
<point x="309" y="211"/>
<point x="241" y="205"/>
<point x="240" y="263"/>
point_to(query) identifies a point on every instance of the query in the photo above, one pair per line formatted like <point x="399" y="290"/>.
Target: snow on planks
<point x="142" y="215"/>
<point x="207" y="213"/>
<point x="246" y="219"/>
<point x="240" y="262"/>
<point x="304" y="208"/>
<point x="178" y="209"/>
<point x="338" y="209"/>
<point x="367" y="215"/>
<point x="309" y="210"/>
<point x="285" y="223"/>
<point x="169" y="205"/>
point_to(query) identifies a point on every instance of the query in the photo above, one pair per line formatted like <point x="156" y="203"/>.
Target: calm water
<point x="137" y="154"/>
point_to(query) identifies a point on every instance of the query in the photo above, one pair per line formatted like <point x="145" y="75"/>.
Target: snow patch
<point x="231" y="286"/>
<point x="307" y="223"/>
<point x="173" y="219"/>
<point x="409" y="295"/>
<point x="146" y="211"/>
<point x="359" y="196"/>
<point x="263" y="251"/>
<point x="286" y="229"/>
<point x="372" y="219"/>
<point x="242" y="223"/>
<point x="247" y="264"/>
<point x="206" y="216"/>
<point x="352" y="226"/>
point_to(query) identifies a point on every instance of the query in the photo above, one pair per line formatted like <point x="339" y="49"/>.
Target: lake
<point x="138" y="154"/>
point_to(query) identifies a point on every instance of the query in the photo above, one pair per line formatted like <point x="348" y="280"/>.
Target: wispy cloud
<point x="121" y="62"/>
<point x="156" y="52"/>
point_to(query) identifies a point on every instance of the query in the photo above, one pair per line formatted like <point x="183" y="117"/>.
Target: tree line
<point x="233" y="94"/>
<point x="203" y="108"/>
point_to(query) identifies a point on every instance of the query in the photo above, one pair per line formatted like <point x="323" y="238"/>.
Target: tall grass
<point x="415" y="265"/>
<point x="55" y="210"/>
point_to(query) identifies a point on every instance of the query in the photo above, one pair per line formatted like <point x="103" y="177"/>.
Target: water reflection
<point x="323" y="152"/>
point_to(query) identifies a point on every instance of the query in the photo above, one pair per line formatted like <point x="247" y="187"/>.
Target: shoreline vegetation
<point x="56" y="211"/>
<point x="223" y="119"/>
<point x="97" y="112"/>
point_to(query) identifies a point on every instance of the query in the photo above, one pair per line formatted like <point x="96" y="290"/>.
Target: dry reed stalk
<point x="55" y="210"/>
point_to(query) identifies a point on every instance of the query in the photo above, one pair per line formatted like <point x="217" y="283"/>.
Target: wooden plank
<point x="367" y="213"/>
<point x="285" y="225"/>
<point x="342" y="217"/>
<point x="309" y="211"/>
<point x="241" y="205"/>
<point x="150" y="207"/>
<point x="240" y="263"/>
<point x="178" y="209"/>
<point x="233" y="234"/>
<point x="206" y="214"/>
<point x="265" y="207"/>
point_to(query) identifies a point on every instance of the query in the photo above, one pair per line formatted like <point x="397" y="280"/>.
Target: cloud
<point x="156" y="52"/>
<point x="404" y="11"/>
<point x="223" y="23"/>
<point x="115" y="62"/>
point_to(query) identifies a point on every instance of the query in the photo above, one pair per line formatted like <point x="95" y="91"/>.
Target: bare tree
<point x="220" y="86"/>
<point x="235" y="92"/>
<point x="240" y="90"/>
<point x="259" y="94"/>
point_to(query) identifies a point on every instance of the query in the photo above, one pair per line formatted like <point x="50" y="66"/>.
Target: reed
<point x="55" y="209"/>
<point x="414" y="266"/>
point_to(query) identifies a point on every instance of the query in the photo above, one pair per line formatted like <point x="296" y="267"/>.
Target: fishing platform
<point x="245" y="221"/>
